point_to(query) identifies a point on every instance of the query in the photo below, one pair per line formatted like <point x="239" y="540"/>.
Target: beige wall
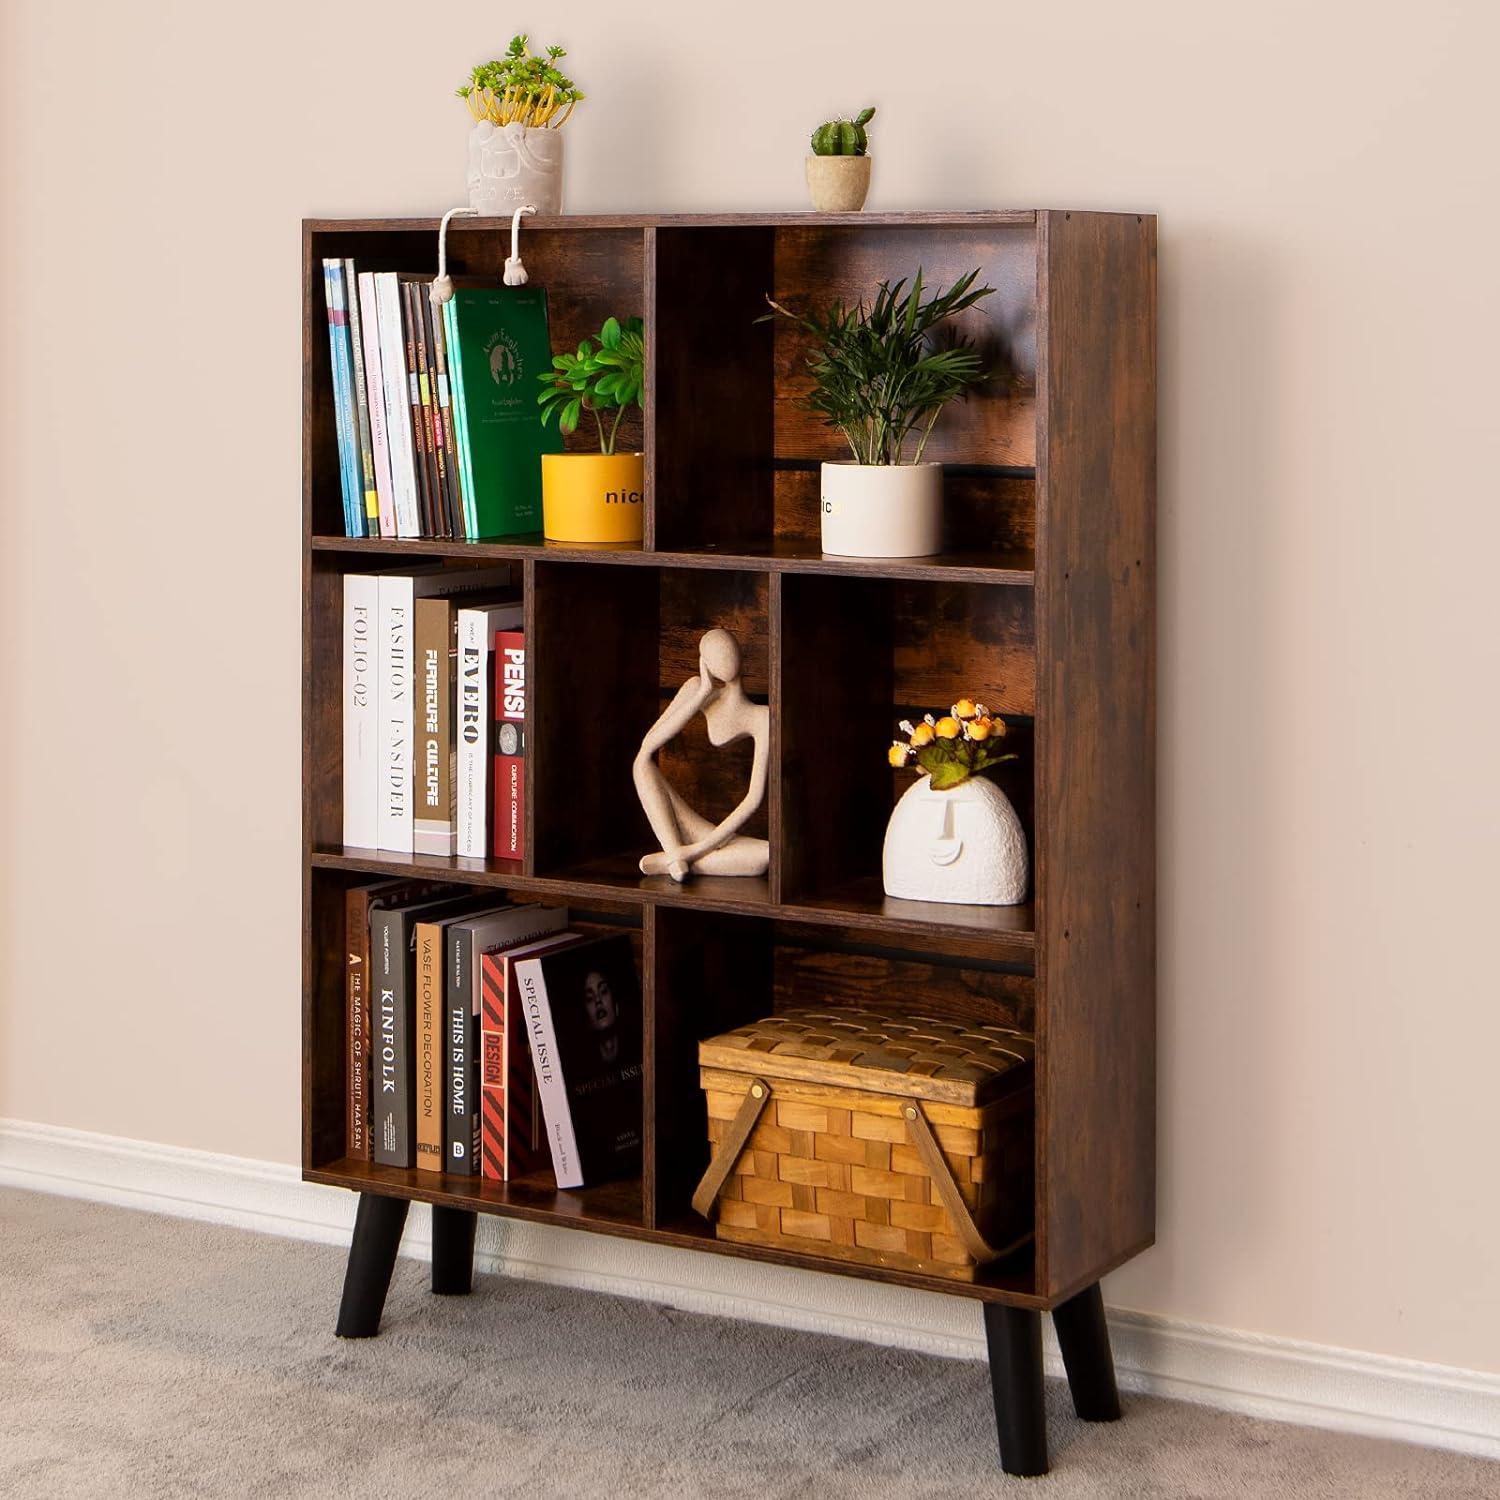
<point x="1330" y="734"/>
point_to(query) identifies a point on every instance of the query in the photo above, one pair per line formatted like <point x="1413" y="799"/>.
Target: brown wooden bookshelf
<point x="1044" y="603"/>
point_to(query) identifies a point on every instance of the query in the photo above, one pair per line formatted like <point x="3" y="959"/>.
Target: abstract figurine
<point x="688" y="840"/>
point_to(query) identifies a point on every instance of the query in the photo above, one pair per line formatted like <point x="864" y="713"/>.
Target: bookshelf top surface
<point x="726" y="220"/>
<point x="969" y="218"/>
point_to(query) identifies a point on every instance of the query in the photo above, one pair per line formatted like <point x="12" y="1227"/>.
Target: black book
<point x="582" y="1007"/>
<point x="392" y="978"/>
<point x="467" y="941"/>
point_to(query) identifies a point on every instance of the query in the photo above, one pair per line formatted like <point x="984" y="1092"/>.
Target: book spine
<point x="394" y="664"/>
<point x="390" y="1116"/>
<point x="460" y="1135"/>
<point x="427" y="1047"/>
<point x="397" y="409"/>
<point x="337" y="352"/>
<point x="357" y="1027"/>
<point x="524" y="1131"/>
<point x="361" y="711"/>
<point x="547" y="1070"/>
<point x="494" y="1154"/>
<point x="433" y="830"/>
<point x="444" y="396"/>
<point x="427" y="368"/>
<point x="421" y="434"/>
<point x="461" y="411"/>
<point x="509" y="840"/>
<point x="369" y="327"/>
<point x="472" y="768"/>
<point x="368" y="492"/>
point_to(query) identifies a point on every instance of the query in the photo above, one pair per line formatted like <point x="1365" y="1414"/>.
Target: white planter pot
<point x="882" y="510"/>
<point x="514" y="164"/>
<point x="965" y="846"/>
<point x="838" y="184"/>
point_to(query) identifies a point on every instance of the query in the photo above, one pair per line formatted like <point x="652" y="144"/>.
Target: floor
<point x="146" y="1356"/>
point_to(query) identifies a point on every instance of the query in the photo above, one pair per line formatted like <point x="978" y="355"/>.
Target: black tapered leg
<point x="452" y="1251"/>
<point x="1014" y="1335"/>
<point x="1083" y="1337"/>
<point x="372" y="1258"/>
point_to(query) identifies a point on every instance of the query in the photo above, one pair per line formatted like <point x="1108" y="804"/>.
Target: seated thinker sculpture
<point x="689" y="842"/>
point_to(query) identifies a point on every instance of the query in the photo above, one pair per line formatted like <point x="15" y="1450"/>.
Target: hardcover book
<point x="469" y="943"/>
<point x="359" y="902"/>
<point x="509" y="840"/>
<point x="513" y="1139"/>
<point x="361" y="711"/>
<point x="427" y="1046"/>
<point x="498" y="343"/>
<point x="393" y="1072"/>
<point x="582" y="1008"/>
<point x="472" y="734"/>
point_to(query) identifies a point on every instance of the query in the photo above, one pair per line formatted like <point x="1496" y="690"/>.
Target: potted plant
<point x="519" y="104"/>
<point x="881" y="375"/>
<point x="838" y="171"/>
<point x="595" y="497"/>
<point x="954" y="836"/>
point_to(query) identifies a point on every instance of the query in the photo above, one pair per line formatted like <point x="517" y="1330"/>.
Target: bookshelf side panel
<point x="1095" y="731"/>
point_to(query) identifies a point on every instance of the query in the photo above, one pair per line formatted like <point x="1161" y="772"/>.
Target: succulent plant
<point x="843" y="137"/>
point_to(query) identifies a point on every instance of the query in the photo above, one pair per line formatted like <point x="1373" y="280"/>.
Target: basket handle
<point x="941" y="1174"/>
<point x="706" y="1198"/>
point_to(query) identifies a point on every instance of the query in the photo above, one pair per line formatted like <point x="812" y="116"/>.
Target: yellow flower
<point x="947" y="729"/>
<point x="979" y="729"/>
<point x="921" y="735"/>
<point x="897" y="755"/>
<point x="997" y="727"/>
<point x="964" y="709"/>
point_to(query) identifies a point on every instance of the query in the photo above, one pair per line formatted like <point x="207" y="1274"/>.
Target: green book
<point x="498" y="345"/>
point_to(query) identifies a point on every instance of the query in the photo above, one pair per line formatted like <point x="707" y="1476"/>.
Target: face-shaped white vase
<point x="514" y="164"/>
<point x="965" y="846"/>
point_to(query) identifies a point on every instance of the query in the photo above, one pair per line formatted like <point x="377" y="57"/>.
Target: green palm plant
<point x="884" y="372"/>
<point x="598" y="378"/>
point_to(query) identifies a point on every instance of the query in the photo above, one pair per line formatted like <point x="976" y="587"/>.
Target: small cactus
<point x="843" y="137"/>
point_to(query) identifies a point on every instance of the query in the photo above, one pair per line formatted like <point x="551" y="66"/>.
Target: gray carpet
<point x="151" y="1356"/>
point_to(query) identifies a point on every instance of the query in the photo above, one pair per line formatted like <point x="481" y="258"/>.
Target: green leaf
<point x="865" y="116"/>
<point x="948" y="774"/>
<point x="609" y="334"/>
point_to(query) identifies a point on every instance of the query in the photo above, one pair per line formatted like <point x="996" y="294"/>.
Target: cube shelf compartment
<point x="1042" y="604"/>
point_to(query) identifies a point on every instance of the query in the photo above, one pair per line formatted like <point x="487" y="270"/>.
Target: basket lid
<point x="956" y="1062"/>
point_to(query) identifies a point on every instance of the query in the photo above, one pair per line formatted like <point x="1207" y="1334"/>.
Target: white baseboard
<point x="1280" y="1379"/>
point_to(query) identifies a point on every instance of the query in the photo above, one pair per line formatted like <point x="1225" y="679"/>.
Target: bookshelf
<point x="1044" y="604"/>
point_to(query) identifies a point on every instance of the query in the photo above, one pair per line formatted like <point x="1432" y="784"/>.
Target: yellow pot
<point x="593" y="497"/>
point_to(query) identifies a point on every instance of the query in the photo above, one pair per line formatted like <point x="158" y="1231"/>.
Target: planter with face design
<point x="963" y="846"/>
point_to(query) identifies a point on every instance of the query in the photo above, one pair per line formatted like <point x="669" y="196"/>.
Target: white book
<point x="472" y="781"/>
<point x="361" y="710"/>
<point x="397" y="404"/>
<point x="369" y="331"/>
<point x="397" y="608"/>
<point x="537" y="1013"/>
<point x="396" y="665"/>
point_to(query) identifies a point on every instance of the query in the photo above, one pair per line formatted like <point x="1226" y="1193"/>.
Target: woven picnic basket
<point x="890" y="1140"/>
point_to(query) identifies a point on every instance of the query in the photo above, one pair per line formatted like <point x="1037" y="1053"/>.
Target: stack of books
<point x="435" y="408"/>
<point x="488" y="1039"/>
<point x="434" y="712"/>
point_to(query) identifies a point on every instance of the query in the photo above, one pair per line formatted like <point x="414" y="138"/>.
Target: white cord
<point x="442" y="285"/>
<point x="515" y="272"/>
